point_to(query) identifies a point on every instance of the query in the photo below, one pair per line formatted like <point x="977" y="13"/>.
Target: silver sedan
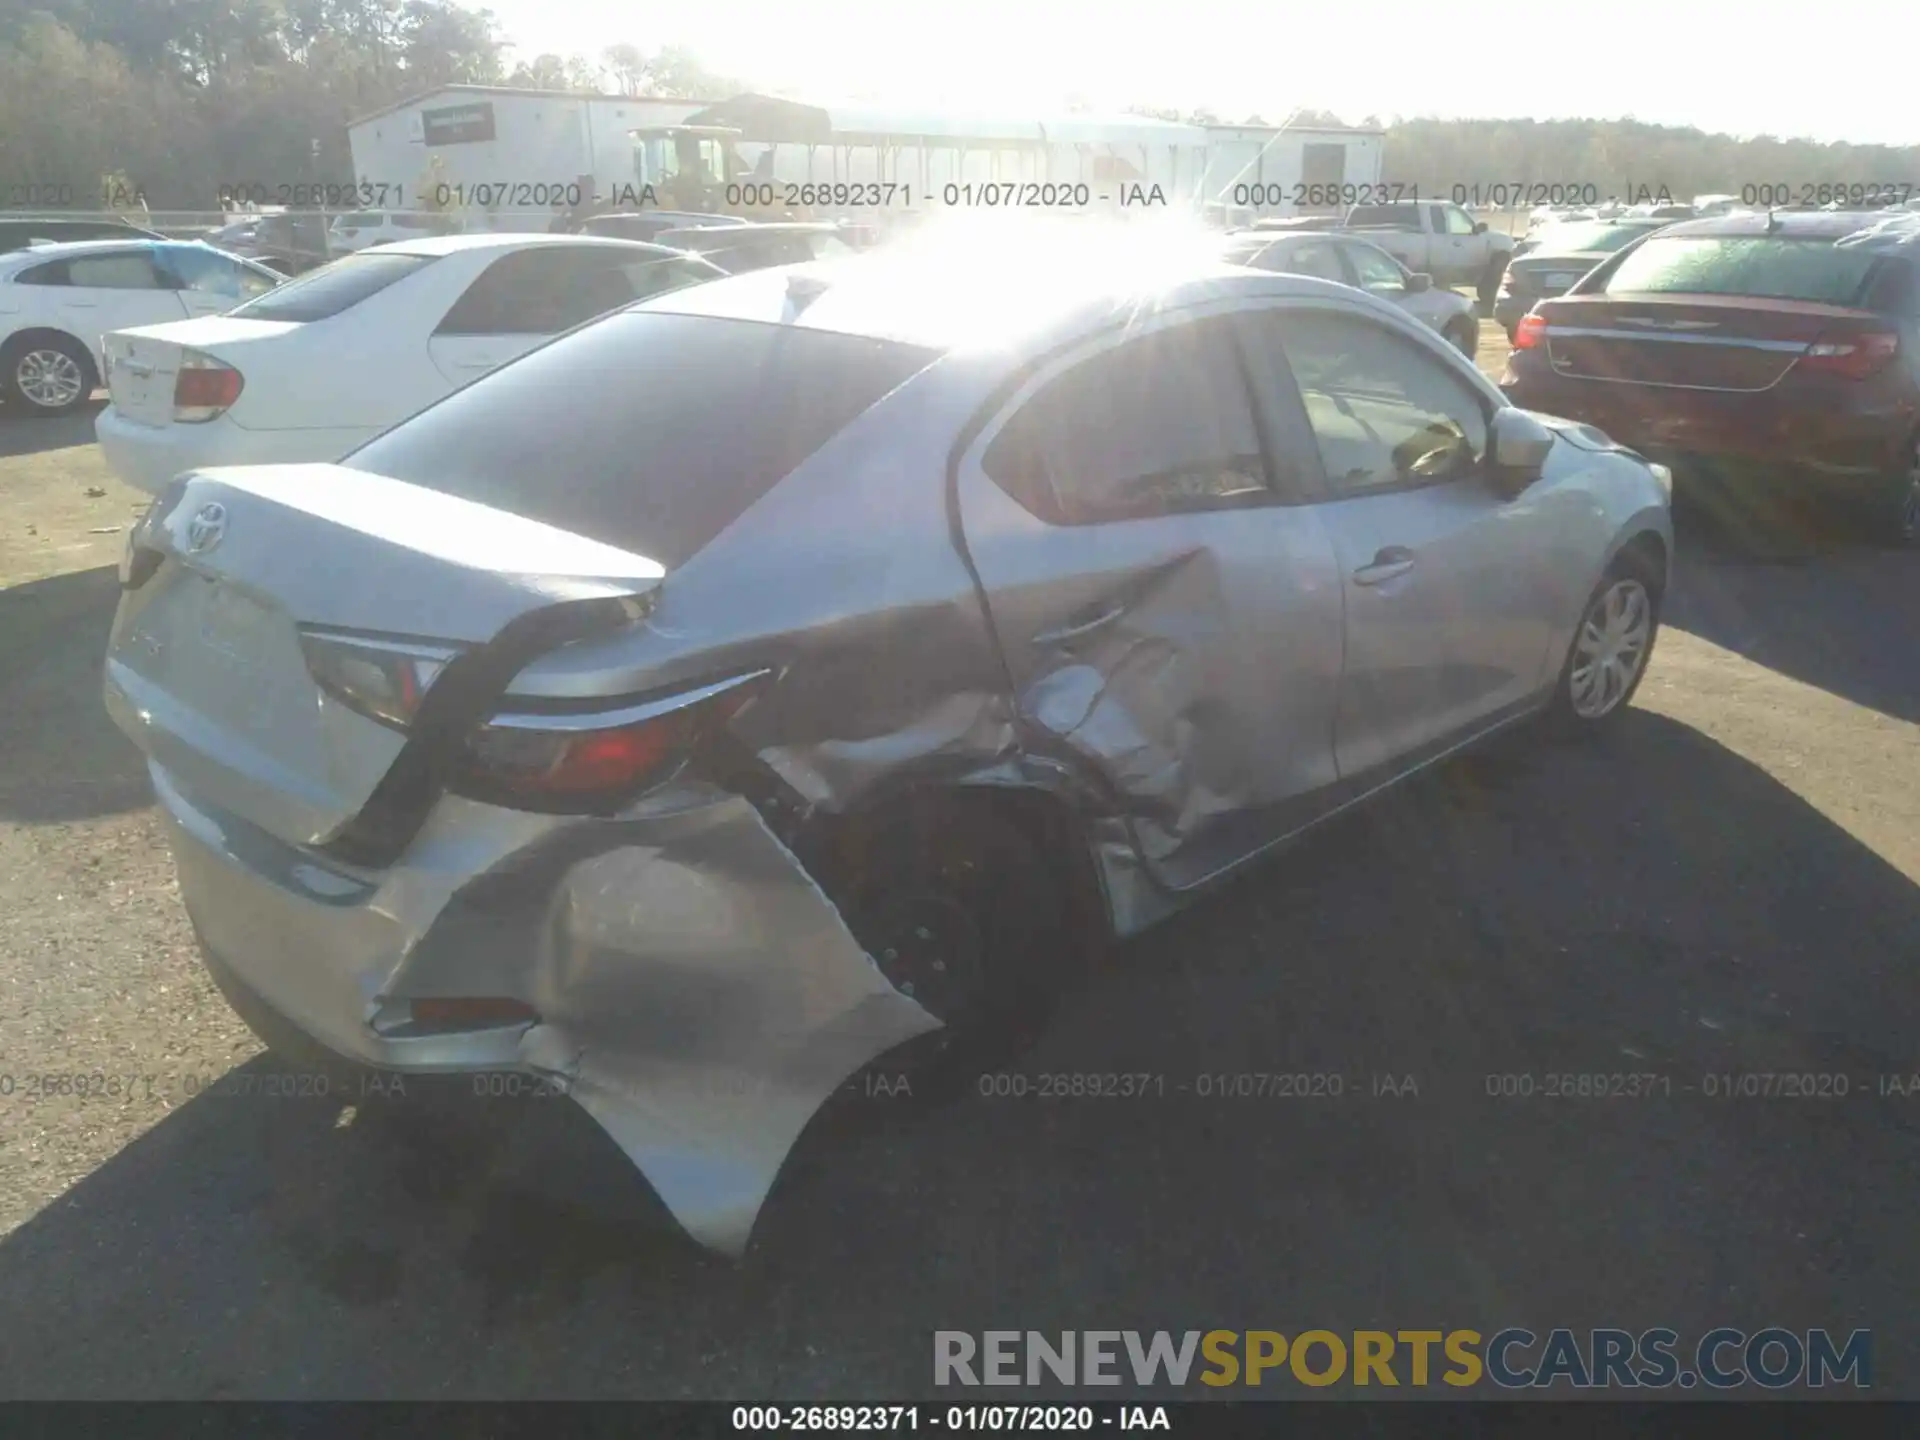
<point x="797" y="668"/>
<point x="1347" y="260"/>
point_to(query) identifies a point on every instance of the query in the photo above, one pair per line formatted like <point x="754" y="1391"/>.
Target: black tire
<point x="1464" y="335"/>
<point x="32" y="364"/>
<point x="963" y="911"/>
<point x="1896" y="522"/>
<point x="1572" y="710"/>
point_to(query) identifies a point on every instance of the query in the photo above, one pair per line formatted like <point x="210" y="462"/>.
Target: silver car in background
<point x="1349" y="261"/>
<point x="800" y="666"/>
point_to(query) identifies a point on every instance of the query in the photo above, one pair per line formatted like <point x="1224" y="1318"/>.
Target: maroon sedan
<point x="1770" y="353"/>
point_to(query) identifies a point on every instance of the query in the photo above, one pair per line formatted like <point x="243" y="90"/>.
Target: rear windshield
<point x="333" y="288"/>
<point x="1406" y="216"/>
<point x="1765" y="267"/>
<point x="645" y="430"/>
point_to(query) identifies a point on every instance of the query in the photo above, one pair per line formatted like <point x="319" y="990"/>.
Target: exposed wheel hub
<point x="930" y="949"/>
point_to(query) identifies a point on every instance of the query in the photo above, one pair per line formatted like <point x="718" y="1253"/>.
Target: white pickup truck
<point x="1440" y="239"/>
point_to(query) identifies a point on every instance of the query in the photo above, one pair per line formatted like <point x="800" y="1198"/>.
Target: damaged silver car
<point x="797" y="667"/>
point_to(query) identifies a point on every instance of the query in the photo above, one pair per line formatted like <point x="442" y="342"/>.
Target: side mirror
<point x="1479" y="227"/>
<point x="1419" y="283"/>
<point x="1518" y="448"/>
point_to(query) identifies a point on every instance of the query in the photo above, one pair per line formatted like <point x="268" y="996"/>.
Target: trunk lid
<point x="1538" y="274"/>
<point x="205" y="667"/>
<point x="143" y="363"/>
<point x="1692" y="342"/>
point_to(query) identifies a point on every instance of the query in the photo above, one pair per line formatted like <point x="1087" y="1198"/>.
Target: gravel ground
<point x="1729" y="884"/>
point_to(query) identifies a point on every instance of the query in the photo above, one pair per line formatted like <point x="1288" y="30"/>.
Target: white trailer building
<point x="495" y="154"/>
<point x="770" y="152"/>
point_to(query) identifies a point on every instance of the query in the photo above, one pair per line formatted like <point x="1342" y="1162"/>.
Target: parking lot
<point x="1726" y="886"/>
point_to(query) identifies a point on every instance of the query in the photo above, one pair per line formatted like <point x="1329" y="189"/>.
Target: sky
<point x="1716" y="64"/>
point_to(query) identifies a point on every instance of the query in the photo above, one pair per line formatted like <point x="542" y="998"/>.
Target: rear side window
<point x="1406" y="217"/>
<point x="1765" y="267"/>
<point x="326" y="292"/>
<point x="546" y="289"/>
<point x="54" y="272"/>
<point x="1317" y="258"/>
<point x="648" y="431"/>
<point x="1156" y="426"/>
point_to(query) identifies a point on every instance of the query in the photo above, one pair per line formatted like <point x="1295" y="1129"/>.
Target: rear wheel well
<point x="1045" y="821"/>
<point x="23" y="340"/>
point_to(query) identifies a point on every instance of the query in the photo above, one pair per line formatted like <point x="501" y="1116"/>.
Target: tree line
<point x="174" y="99"/>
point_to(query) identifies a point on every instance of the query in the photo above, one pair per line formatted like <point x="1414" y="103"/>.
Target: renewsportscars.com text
<point x="1512" y="1359"/>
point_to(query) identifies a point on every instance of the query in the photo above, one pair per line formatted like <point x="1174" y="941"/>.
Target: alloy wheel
<point x="1610" y="649"/>
<point x="49" y="379"/>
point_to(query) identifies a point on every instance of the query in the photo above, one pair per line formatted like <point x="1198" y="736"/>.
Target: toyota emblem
<point x="206" y="529"/>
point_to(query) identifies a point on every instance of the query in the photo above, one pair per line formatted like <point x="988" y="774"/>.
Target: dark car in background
<point x="291" y="242"/>
<point x="1772" y="360"/>
<point x="739" y="248"/>
<point x="1549" y="262"/>
<point x="643" y="225"/>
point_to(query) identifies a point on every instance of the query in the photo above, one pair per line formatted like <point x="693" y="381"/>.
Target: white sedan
<point x="57" y="301"/>
<point x="324" y="363"/>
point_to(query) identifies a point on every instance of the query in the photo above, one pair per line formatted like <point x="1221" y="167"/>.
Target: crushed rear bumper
<point x="697" y="993"/>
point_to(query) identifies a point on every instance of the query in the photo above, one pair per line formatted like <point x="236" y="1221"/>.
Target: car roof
<point x="438" y="245"/>
<point x="748" y="230"/>
<point x="1790" y="225"/>
<point x="942" y="303"/>
<point x="63" y="249"/>
<point x="673" y="219"/>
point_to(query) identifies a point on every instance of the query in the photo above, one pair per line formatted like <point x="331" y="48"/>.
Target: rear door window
<point x="326" y="292"/>
<point x="649" y="431"/>
<point x="1160" y="425"/>
<point x="122" y="270"/>
<point x="1764" y="267"/>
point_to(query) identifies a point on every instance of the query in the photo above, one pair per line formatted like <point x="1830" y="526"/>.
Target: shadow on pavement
<point x="61" y="757"/>
<point x="32" y="435"/>
<point x="1842" y="616"/>
<point x="1650" y="905"/>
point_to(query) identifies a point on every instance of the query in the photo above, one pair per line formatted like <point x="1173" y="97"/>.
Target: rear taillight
<point x="594" y="763"/>
<point x="1530" y="332"/>
<point x="204" y="389"/>
<point x="1853" y="357"/>
<point x="384" y="680"/>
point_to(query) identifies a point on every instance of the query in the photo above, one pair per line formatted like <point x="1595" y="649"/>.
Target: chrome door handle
<point x="1389" y="564"/>
<point x="1078" y="628"/>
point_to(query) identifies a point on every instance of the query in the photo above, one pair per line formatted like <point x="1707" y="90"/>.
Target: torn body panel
<point x="698" y="993"/>
<point x="1155" y="656"/>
